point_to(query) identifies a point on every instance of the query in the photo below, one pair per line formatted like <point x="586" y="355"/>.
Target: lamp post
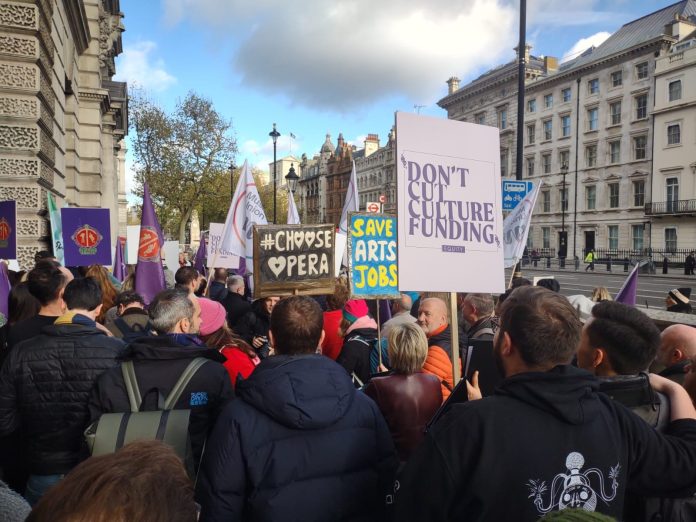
<point x="292" y="178"/>
<point x="274" y="134"/>
<point x="563" y="239"/>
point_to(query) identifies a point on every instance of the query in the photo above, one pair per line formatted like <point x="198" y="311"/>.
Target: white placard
<point x="223" y="259"/>
<point x="132" y="244"/>
<point x="340" y="241"/>
<point x="170" y="251"/>
<point x="449" y="205"/>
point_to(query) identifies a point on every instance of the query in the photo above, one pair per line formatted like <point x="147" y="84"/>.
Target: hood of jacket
<point x="299" y="391"/>
<point x="365" y="333"/>
<point x="443" y="339"/>
<point x="162" y="347"/>
<point x="565" y="391"/>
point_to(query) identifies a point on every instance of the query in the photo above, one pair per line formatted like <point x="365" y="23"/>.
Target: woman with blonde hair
<point x="600" y="294"/>
<point x="109" y="292"/>
<point x="408" y="397"/>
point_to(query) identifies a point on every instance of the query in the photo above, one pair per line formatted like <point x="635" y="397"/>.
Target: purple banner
<point x="86" y="236"/>
<point x="149" y="275"/>
<point x="8" y="230"/>
<point x="4" y="295"/>
<point x="119" y="263"/>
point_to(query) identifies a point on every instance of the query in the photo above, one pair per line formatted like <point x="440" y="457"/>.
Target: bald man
<point x="677" y="350"/>
<point x="433" y="319"/>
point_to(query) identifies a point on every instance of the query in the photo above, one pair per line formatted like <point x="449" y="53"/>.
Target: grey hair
<point x="405" y="303"/>
<point x="482" y="302"/>
<point x="168" y="308"/>
<point x="234" y="282"/>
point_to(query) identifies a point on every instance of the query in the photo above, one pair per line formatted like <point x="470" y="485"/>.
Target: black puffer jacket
<point x="255" y="323"/>
<point x="355" y="354"/>
<point x="299" y="443"/>
<point x="44" y="387"/>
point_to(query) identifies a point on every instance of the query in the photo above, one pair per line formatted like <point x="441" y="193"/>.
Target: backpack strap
<point x="183" y="381"/>
<point x="131" y="383"/>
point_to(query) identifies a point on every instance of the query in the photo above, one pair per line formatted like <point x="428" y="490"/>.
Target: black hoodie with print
<point x="543" y="442"/>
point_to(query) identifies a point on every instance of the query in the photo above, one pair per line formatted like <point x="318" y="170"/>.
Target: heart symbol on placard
<point x="276" y="264"/>
<point x="299" y="236"/>
<point x="309" y="238"/>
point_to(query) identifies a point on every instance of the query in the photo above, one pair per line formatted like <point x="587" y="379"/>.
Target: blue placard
<point x="372" y="256"/>
<point x="514" y="191"/>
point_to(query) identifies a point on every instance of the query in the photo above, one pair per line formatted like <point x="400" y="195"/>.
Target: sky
<point x="317" y="66"/>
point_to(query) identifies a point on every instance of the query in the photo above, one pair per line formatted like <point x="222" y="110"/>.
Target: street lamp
<point x="563" y="239"/>
<point x="292" y="178"/>
<point x="274" y="134"/>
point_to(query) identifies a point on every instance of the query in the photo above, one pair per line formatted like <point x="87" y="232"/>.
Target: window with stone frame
<point x="565" y="125"/>
<point x="591" y="155"/>
<point x="590" y="197"/>
<point x="592" y="119"/>
<point x="504" y="162"/>
<point x="639" y="193"/>
<point x="617" y="79"/>
<point x="531" y="134"/>
<point x="614" y="151"/>
<point x="637" y="234"/>
<point x="481" y="118"/>
<point x="613" y="195"/>
<point x="675" y="90"/>
<point x="615" y="113"/>
<point x="531" y="105"/>
<point x="563" y="196"/>
<point x="546" y="201"/>
<point x="564" y="159"/>
<point x="502" y="118"/>
<point x="641" y="106"/>
<point x="613" y="236"/>
<point x="639" y="147"/>
<point x="674" y="134"/>
<point x="642" y="70"/>
<point x="671" y="239"/>
<point x="530" y="167"/>
<point x="567" y="94"/>
<point x="545" y="237"/>
<point x="546" y="163"/>
<point x="548" y="101"/>
<point x="548" y="129"/>
<point x="593" y="86"/>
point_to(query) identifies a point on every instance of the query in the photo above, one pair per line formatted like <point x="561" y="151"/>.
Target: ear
<point x="506" y="347"/>
<point x="184" y="325"/>
<point x="599" y="357"/>
<point x="98" y="309"/>
<point x="676" y="356"/>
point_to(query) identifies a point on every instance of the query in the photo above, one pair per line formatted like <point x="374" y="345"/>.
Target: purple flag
<point x="119" y="262"/>
<point x="86" y="236"/>
<point x="8" y="230"/>
<point x="199" y="260"/>
<point x="4" y="295"/>
<point x="149" y="274"/>
<point x="627" y="294"/>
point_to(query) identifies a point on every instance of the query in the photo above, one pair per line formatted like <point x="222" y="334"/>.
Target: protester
<point x="689" y="264"/>
<point x="218" y="286"/>
<point x="160" y="360"/>
<point x="299" y="443"/>
<point x="432" y="318"/>
<point x="21" y="304"/>
<point x="600" y="294"/>
<point x="46" y="283"/>
<point x="45" y="383"/>
<point x="401" y="314"/>
<point x="359" y="332"/>
<point x="678" y="301"/>
<point x="333" y="341"/>
<point x="519" y="281"/>
<point x="477" y="311"/>
<point x="550" y="284"/>
<point x="234" y="302"/>
<point x="109" y="292"/>
<point x="132" y="320"/>
<point x="408" y="398"/>
<point x="188" y="279"/>
<point x="241" y="358"/>
<point x="562" y="444"/>
<point x="590" y="260"/>
<point x="202" y="286"/>
<point x="677" y="349"/>
<point x="143" y="481"/>
<point x="253" y="327"/>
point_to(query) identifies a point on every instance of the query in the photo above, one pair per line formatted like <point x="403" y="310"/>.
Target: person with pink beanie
<point x="214" y="332"/>
<point x="359" y="336"/>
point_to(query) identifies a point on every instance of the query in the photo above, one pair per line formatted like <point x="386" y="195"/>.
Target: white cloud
<point x="138" y="67"/>
<point x="340" y="56"/>
<point x="585" y="43"/>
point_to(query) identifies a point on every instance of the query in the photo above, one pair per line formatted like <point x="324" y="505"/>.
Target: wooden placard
<point x="293" y="260"/>
<point x="372" y="256"/>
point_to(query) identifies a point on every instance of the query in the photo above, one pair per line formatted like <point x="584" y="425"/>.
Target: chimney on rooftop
<point x="371" y="144"/>
<point x="452" y="85"/>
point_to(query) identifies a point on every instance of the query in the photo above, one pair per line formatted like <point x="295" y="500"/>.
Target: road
<point x="651" y="289"/>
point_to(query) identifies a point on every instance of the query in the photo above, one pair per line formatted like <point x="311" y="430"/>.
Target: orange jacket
<point x="438" y="364"/>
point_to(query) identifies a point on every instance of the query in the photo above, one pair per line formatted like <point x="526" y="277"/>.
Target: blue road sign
<point x="514" y="192"/>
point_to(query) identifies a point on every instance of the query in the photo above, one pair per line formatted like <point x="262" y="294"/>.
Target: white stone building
<point x="375" y="172"/>
<point x="593" y="116"/>
<point x="62" y="119"/>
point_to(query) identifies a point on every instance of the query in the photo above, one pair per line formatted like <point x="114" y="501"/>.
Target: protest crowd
<point x="284" y="393"/>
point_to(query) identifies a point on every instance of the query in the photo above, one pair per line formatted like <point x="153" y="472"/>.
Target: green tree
<point x="183" y="157"/>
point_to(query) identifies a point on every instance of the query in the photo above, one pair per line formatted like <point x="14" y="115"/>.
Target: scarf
<point x="75" y="318"/>
<point x="183" y="339"/>
<point x="363" y="322"/>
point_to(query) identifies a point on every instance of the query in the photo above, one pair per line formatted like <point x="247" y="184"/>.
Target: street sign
<point x="514" y="192"/>
<point x="382" y="198"/>
<point x="372" y="207"/>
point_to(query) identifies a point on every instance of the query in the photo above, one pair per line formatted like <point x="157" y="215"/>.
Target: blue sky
<point x="318" y="66"/>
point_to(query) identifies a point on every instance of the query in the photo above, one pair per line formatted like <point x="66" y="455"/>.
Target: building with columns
<point x="62" y="118"/>
<point x="587" y="133"/>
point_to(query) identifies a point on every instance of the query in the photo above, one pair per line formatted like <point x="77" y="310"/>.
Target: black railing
<point x="675" y="257"/>
<point x="676" y="206"/>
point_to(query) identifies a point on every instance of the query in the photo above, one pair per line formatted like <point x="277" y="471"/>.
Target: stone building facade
<point x="587" y="134"/>
<point x="376" y="173"/>
<point x="338" y="170"/>
<point x="62" y="118"/>
<point x="312" y="184"/>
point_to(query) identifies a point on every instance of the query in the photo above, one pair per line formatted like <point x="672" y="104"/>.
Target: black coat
<point x="217" y="291"/>
<point x="255" y="323"/>
<point x="544" y="441"/>
<point x="159" y="362"/>
<point x="301" y="444"/>
<point x="236" y="307"/>
<point x="355" y="354"/>
<point x="44" y="387"/>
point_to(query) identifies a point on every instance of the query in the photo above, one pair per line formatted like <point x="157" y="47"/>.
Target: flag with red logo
<point x="86" y="236"/>
<point x="149" y="274"/>
<point x="8" y="233"/>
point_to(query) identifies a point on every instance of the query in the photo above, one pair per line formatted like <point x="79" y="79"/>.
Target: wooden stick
<point x="379" y="336"/>
<point x="454" y="327"/>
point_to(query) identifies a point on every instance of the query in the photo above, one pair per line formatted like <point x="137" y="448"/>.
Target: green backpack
<point x="114" y="430"/>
